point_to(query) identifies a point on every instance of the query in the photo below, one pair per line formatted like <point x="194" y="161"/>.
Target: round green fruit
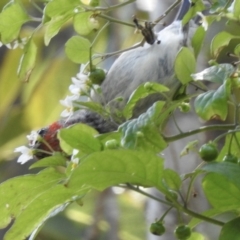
<point x="97" y="76"/>
<point x="208" y="152"/>
<point x="111" y="144"/>
<point x="185" y="107"/>
<point x="148" y="86"/>
<point x="230" y="158"/>
<point x="157" y="228"/>
<point x="183" y="232"/>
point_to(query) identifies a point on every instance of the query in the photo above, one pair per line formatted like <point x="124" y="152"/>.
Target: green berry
<point x="97" y="76"/>
<point x="183" y="232"/>
<point x="111" y="144"/>
<point x="208" y="152"/>
<point x="157" y="228"/>
<point x="184" y="107"/>
<point x="230" y="158"/>
<point x="148" y="86"/>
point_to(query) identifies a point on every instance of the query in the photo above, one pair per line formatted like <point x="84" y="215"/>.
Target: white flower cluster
<point x="27" y="153"/>
<point x="81" y="86"/>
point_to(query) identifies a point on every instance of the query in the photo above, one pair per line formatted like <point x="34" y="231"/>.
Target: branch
<point x="199" y="130"/>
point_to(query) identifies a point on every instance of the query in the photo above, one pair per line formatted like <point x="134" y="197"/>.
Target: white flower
<point x="68" y="102"/>
<point x="75" y="159"/>
<point x="33" y="137"/>
<point x="26" y="154"/>
<point x="80" y="85"/>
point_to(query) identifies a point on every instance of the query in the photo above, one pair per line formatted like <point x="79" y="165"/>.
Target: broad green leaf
<point x="77" y="49"/>
<point x="111" y="167"/>
<point x="141" y="92"/>
<point x="184" y="65"/>
<point x="11" y="20"/>
<point x="84" y="23"/>
<point x="231" y="230"/>
<point x="220" y="192"/>
<point x="44" y="206"/>
<point x="18" y="192"/>
<point x="220" y="41"/>
<point x="169" y="107"/>
<point x="142" y="133"/>
<point x="81" y="137"/>
<point x="54" y="25"/>
<point x="197" y="40"/>
<point x="53" y="161"/>
<point x="213" y="104"/>
<point x="216" y="74"/>
<point x="56" y="8"/>
<point x="198" y="6"/>
<point x="171" y="179"/>
<point x="230" y="170"/>
<point x="27" y="61"/>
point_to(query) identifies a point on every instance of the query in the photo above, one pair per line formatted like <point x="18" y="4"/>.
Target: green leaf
<point x="216" y="74"/>
<point x="213" y="104"/>
<point x="84" y="23"/>
<point x="81" y="137"/>
<point x="27" y="61"/>
<point x="18" y="192"/>
<point x="11" y="20"/>
<point x="108" y="168"/>
<point x="236" y="10"/>
<point x="53" y="161"/>
<point x="190" y="146"/>
<point x="46" y="205"/>
<point x="109" y="136"/>
<point x="220" y="41"/>
<point x="184" y="65"/>
<point x="95" y="107"/>
<point x="231" y="230"/>
<point x="197" y="40"/>
<point x="237" y="50"/>
<point x="229" y="170"/>
<point x="141" y="92"/>
<point x="220" y="192"/>
<point x="171" y="179"/>
<point x="54" y="25"/>
<point x="142" y="133"/>
<point x="77" y="49"/>
<point x="198" y="6"/>
<point x="55" y="8"/>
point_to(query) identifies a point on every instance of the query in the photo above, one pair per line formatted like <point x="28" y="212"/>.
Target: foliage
<point x="127" y="157"/>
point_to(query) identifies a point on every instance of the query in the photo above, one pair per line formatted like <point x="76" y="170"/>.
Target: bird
<point x="152" y="62"/>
